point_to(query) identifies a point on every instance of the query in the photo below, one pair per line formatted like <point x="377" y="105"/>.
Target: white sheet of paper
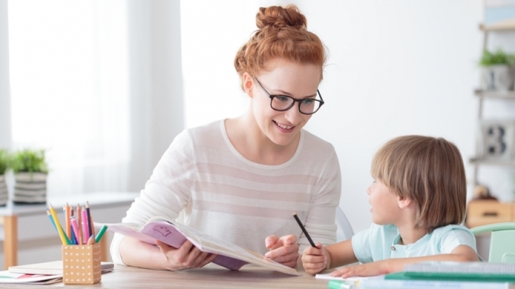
<point x="327" y="276"/>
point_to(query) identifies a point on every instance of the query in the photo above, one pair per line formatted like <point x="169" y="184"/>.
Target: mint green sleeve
<point x="456" y="236"/>
<point x="361" y="245"/>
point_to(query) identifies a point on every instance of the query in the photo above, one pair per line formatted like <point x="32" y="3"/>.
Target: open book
<point x="7" y="277"/>
<point x="174" y="234"/>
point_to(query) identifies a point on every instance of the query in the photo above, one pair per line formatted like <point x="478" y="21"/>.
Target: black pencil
<point x="304" y="230"/>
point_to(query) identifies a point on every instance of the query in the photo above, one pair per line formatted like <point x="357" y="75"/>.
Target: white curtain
<point x="69" y="90"/>
<point x="5" y="101"/>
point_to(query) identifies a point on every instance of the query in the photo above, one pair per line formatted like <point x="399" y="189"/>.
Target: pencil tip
<point x="294" y="213"/>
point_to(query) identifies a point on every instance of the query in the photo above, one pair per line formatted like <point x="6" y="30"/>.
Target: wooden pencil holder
<point x="81" y="264"/>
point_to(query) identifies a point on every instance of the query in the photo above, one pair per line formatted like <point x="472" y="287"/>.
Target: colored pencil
<point x="79" y="218"/>
<point x="85" y="226"/>
<point x="67" y="220"/>
<point x="101" y="234"/>
<point x="51" y="220"/>
<point x="62" y="235"/>
<point x="90" y="222"/>
<point x="74" y="236"/>
<point x="76" y="230"/>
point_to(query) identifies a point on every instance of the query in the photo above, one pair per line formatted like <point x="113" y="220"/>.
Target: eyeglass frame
<point x="272" y="96"/>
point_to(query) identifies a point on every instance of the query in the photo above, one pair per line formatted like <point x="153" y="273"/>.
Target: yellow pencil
<point x="64" y="238"/>
<point x="67" y="221"/>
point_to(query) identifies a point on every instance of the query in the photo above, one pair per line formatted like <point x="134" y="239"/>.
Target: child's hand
<point x="368" y="269"/>
<point x="316" y="259"/>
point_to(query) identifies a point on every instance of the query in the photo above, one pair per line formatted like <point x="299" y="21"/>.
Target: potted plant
<point x="30" y="174"/>
<point x="497" y="71"/>
<point x="4" y="165"/>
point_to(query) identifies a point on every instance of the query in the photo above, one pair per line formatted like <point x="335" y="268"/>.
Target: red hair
<point x="282" y="34"/>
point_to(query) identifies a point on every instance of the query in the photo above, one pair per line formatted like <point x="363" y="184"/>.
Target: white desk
<point x="30" y="222"/>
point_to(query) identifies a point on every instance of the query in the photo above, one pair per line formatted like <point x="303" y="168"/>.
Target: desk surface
<point x="211" y="276"/>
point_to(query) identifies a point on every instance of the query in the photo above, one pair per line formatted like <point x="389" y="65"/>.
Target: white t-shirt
<point x="225" y="195"/>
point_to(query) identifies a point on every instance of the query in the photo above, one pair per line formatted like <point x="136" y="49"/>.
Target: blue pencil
<point x="51" y="219"/>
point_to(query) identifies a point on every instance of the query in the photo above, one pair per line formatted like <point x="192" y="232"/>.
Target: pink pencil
<point x="76" y="230"/>
<point x="85" y="224"/>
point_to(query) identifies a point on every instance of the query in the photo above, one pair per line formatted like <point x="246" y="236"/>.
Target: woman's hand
<point x="284" y="250"/>
<point x="186" y="257"/>
<point x="315" y="260"/>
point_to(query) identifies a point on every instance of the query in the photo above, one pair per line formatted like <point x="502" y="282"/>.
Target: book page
<point x="12" y="278"/>
<point x="350" y="280"/>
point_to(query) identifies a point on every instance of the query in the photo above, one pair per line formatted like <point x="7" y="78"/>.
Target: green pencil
<point x="100" y="234"/>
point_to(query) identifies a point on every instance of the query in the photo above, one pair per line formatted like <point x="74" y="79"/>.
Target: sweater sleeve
<point x="320" y="218"/>
<point x="167" y="191"/>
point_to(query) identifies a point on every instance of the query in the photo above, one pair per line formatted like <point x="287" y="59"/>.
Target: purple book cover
<point x="167" y="233"/>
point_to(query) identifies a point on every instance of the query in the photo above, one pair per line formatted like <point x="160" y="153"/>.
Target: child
<point x="418" y="200"/>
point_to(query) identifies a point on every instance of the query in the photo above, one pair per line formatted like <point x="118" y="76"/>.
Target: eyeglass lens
<point x="308" y="106"/>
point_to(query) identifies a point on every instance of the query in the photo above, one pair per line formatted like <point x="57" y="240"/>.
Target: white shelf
<point x="484" y="95"/>
<point x="495" y="94"/>
<point x="505" y="25"/>
<point x="493" y="162"/>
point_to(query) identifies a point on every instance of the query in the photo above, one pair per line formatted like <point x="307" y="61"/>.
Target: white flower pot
<point x="30" y="188"/>
<point x="3" y="191"/>
<point x="497" y="77"/>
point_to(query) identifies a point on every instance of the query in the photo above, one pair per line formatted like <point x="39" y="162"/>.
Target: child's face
<point x="385" y="207"/>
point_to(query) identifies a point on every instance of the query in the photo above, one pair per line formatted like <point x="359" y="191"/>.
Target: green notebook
<point x="450" y="277"/>
<point x="455" y="271"/>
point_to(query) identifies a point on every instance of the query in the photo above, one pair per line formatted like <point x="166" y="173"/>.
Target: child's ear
<point x="403" y="202"/>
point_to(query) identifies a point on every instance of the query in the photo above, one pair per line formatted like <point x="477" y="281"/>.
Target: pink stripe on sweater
<point x="261" y="194"/>
<point x="273" y="178"/>
<point x="234" y="209"/>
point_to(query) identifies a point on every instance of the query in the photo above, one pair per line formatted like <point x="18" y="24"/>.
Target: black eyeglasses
<point x="285" y="102"/>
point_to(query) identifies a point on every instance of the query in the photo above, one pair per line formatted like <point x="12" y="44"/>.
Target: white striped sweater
<point x="225" y="195"/>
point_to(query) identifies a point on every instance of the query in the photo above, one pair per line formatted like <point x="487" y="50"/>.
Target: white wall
<point x="5" y="102"/>
<point x="157" y="106"/>
<point x="395" y="67"/>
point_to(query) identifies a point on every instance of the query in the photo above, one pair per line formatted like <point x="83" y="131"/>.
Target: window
<point x="69" y="90"/>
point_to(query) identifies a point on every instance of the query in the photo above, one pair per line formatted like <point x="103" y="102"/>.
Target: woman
<point x="241" y="179"/>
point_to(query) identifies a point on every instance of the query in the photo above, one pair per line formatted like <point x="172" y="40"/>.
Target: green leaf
<point x="499" y="57"/>
<point x="5" y="159"/>
<point x="31" y="161"/>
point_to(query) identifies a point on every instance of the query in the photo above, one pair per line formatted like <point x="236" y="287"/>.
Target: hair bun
<point x="279" y="17"/>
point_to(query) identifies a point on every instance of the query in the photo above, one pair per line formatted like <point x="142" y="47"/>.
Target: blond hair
<point x="428" y="171"/>
<point x="282" y="34"/>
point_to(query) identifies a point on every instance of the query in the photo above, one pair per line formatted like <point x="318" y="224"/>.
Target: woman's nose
<point x="293" y="115"/>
